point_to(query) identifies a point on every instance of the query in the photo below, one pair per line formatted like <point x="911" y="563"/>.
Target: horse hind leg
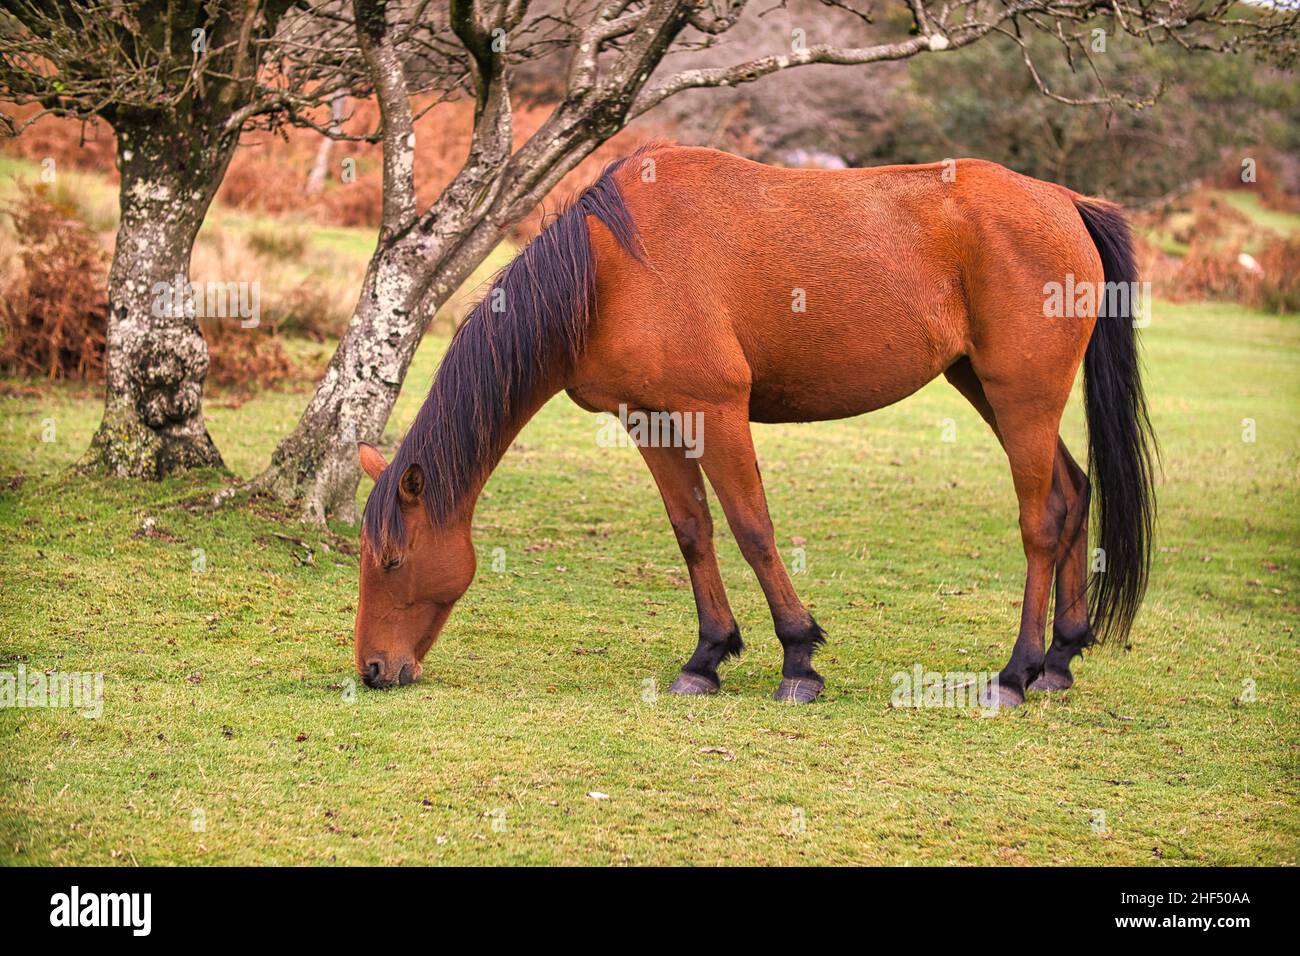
<point x="1031" y="446"/>
<point x="1071" y="630"/>
<point x="1028" y="432"/>
<point x="963" y="378"/>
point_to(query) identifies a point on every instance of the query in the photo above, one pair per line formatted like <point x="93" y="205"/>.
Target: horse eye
<point x="392" y="563"/>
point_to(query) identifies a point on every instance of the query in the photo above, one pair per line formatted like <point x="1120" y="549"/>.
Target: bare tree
<point x="177" y="81"/>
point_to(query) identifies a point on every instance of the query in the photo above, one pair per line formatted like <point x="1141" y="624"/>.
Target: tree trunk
<point x="156" y="358"/>
<point x="315" y="467"/>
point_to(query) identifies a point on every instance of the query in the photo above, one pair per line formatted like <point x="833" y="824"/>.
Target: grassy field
<point x="230" y="732"/>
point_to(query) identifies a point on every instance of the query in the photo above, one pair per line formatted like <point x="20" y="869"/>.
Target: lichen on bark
<point x="156" y="360"/>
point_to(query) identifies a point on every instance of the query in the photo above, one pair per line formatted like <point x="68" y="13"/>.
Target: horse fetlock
<point x="1070" y="641"/>
<point x="727" y="644"/>
<point x="1017" y="677"/>
<point x="714" y="647"/>
<point x="805" y="633"/>
<point x="1067" y="644"/>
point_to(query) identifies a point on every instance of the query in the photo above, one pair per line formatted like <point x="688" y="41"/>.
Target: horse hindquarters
<point x="1019" y="374"/>
<point x="1025" y="390"/>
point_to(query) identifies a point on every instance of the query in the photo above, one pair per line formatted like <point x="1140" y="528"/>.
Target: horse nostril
<point x="372" y="673"/>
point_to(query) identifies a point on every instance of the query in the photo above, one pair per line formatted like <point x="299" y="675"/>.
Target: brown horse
<point x="694" y="282"/>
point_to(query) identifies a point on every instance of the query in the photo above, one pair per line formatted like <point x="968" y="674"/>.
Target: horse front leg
<point x="682" y="486"/>
<point x="732" y="467"/>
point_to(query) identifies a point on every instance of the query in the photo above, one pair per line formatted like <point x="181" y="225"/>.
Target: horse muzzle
<point x="378" y="673"/>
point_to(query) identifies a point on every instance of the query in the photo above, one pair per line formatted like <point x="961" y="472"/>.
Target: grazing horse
<point x="691" y="281"/>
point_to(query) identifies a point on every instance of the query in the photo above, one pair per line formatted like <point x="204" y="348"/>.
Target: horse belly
<point x="852" y="363"/>
<point x="881" y="315"/>
<point x="838" y="389"/>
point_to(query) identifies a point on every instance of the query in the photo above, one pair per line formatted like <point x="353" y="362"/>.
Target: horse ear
<point x="411" y="487"/>
<point x="371" y="461"/>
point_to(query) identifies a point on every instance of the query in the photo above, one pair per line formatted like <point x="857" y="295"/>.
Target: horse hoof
<point x="799" y="690"/>
<point x="1052" y="680"/>
<point x="689" y="684"/>
<point x="999" y="697"/>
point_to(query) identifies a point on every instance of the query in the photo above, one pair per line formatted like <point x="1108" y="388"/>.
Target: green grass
<point x="225" y="690"/>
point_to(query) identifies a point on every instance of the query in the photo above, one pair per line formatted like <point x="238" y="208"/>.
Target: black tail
<point x="1120" y="439"/>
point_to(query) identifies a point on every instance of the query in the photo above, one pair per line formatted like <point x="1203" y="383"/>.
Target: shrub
<point x="351" y="204"/>
<point x="1210" y="216"/>
<point x="1278" y="287"/>
<point x="1277" y="177"/>
<point x="54" y="308"/>
<point x="310" y="310"/>
<point x="1210" y="272"/>
<point x="244" y="361"/>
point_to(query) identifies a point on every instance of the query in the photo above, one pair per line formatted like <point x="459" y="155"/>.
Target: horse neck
<point x="523" y="412"/>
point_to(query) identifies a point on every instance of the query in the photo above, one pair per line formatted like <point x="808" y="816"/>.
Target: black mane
<point x="498" y="359"/>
